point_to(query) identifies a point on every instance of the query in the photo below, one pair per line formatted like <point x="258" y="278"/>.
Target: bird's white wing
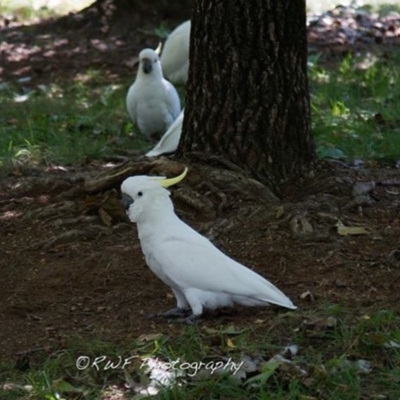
<point x="170" y="140"/>
<point x="131" y="103"/>
<point x="175" y="56"/>
<point x="172" y="100"/>
<point x="194" y="262"/>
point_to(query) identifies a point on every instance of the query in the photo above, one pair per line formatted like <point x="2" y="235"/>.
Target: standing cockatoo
<point x="175" y="54"/>
<point x="152" y="102"/>
<point x="200" y="275"/>
<point x="170" y="140"/>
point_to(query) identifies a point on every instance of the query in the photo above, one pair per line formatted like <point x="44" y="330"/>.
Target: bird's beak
<point x="147" y="65"/>
<point x="126" y="201"/>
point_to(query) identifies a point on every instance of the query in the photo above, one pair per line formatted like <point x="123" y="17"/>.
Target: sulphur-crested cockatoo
<point x="152" y="102"/>
<point x="200" y="275"/>
<point x="175" y="54"/>
<point x="170" y="140"/>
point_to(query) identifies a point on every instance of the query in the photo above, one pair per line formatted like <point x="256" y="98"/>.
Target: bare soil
<point x="66" y="272"/>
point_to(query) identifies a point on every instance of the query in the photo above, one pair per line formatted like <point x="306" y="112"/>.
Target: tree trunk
<point x="247" y="93"/>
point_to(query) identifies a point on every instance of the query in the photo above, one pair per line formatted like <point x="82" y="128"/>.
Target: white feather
<point x="152" y="102"/>
<point x="170" y="140"/>
<point x="175" y="54"/>
<point x="199" y="274"/>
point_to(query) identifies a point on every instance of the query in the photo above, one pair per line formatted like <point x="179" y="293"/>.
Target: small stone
<point x="340" y="283"/>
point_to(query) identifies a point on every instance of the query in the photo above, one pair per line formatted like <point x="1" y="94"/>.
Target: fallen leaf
<point x="300" y="225"/>
<point x="16" y="386"/>
<point x="59" y="385"/>
<point x="230" y="344"/>
<point x="307" y="295"/>
<point x="249" y="364"/>
<point x="391" y="344"/>
<point x="292" y="350"/>
<point x="363" y="366"/>
<point x="363" y="188"/>
<point x="392" y="192"/>
<point x="56" y="168"/>
<point x="108" y="205"/>
<point x="321" y="323"/>
<point x="340" y="283"/>
<point x="149" y="337"/>
<point x="375" y="339"/>
<point x="230" y="330"/>
<point x="279" y="212"/>
<point x="105" y="217"/>
<point x="319" y="372"/>
<point x="351" y="230"/>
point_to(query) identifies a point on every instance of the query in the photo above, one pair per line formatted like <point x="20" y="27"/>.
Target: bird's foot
<point x="190" y="320"/>
<point x="193" y="319"/>
<point x="176" y="312"/>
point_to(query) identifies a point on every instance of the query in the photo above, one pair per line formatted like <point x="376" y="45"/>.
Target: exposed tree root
<point x="82" y="219"/>
<point x="228" y="194"/>
<point x="68" y="236"/>
<point x="113" y="178"/>
<point x="221" y="182"/>
<point x="196" y="201"/>
<point x="215" y="189"/>
<point x="54" y="210"/>
<point x="213" y="159"/>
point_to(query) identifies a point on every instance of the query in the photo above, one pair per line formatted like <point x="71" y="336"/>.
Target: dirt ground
<point x="64" y="272"/>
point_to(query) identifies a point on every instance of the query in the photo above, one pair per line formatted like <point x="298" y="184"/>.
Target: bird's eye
<point x="140" y="194"/>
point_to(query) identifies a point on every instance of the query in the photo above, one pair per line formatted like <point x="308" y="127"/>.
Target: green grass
<point x="65" y="124"/>
<point x="343" y="355"/>
<point x="356" y="108"/>
<point x="355" y="115"/>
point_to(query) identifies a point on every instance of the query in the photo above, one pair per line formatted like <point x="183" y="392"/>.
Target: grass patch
<point x="356" y="108"/>
<point x="65" y="124"/>
<point x="339" y="354"/>
<point x="33" y="10"/>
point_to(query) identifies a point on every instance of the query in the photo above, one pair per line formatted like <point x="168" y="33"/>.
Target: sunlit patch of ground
<point x="59" y="7"/>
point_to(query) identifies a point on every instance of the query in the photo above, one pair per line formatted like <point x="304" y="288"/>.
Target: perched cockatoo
<point x="200" y="275"/>
<point x="175" y="54"/>
<point x="170" y="140"/>
<point x="152" y="102"/>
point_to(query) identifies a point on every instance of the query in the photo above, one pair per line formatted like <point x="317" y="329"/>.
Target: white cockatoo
<point x="175" y="54"/>
<point x="170" y="140"/>
<point x="200" y="275"/>
<point x="152" y="102"/>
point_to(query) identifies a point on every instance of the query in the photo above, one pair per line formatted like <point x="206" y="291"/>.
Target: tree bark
<point x="247" y="93"/>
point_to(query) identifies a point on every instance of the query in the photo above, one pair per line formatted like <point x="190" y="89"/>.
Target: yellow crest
<point x="173" y="181"/>
<point x="158" y="49"/>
